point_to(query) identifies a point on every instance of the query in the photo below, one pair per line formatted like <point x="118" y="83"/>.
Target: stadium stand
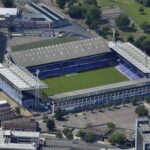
<point x="64" y="58"/>
<point x="19" y="85"/>
<point x="132" y="61"/>
<point x="99" y="96"/>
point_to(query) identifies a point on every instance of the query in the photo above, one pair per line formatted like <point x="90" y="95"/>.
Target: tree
<point x="146" y="27"/>
<point x="117" y="138"/>
<point x="61" y="3"/>
<point x="134" y="102"/>
<point x="139" y="42"/>
<point x="59" y="135"/>
<point x="146" y="46"/>
<point x="141" y="111"/>
<point x="90" y="2"/>
<point x="75" y="12"/>
<point x="17" y="110"/>
<point x="69" y="135"/>
<point x="89" y="138"/>
<point x="8" y="3"/>
<point x="50" y="124"/>
<point x="141" y="9"/>
<point x="65" y="131"/>
<point x="59" y="114"/>
<point x="130" y="39"/>
<point x="93" y="17"/>
<point x="111" y="125"/>
<point x="123" y="21"/>
<point x="81" y="134"/>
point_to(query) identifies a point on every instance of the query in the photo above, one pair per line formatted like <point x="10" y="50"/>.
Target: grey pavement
<point x="123" y="118"/>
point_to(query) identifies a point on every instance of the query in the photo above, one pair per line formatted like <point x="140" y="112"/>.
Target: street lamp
<point x="37" y="89"/>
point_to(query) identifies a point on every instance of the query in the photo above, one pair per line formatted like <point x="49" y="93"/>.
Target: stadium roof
<point x="8" y="11"/>
<point x="132" y="54"/>
<point x="60" y="52"/>
<point x="98" y="89"/>
<point x="19" y="78"/>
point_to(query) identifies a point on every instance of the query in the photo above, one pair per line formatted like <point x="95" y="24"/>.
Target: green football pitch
<point x="83" y="80"/>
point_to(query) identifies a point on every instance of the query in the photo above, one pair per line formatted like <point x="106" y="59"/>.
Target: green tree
<point x="141" y="9"/>
<point x="130" y="39"/>
<point x="8" y="3"/>
<point x="81" y="134"/>
<point x="69" y="135"/>
<point x="59" y="114"/>
<point x="134" y="101"/>
<point x="146" y="27"/>
<point x="141" y="111"/>
<point x="111" y="125"/>
<point x="75" y="12"/>
<point x="17" y="110"/>
<point x="90" y="2"/>
<point x="93" y="17"/>
<point x="61" y="3"/>
<point x="59" y="135"/>
<point x="89" y="138"/>
<point x="139" y="42"/>
<point x="146" y="46"/>
<point x="50" y="124"/>
<point x="117" y="138"/>
<point x="65" y="131"/>
<point x="123" y="21"/>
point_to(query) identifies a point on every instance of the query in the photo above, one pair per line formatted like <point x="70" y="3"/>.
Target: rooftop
<point x="17" y="146"/>
<point x="19" y="78"/>
<point x="60" y="52"/>
<point x="21" y="134"/>
<point x="132" y="54"/>
<point x="8" y="11"/>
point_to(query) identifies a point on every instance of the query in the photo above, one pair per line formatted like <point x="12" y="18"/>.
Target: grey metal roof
<point x="132" y="54"/>
<point x="60" y="52"/>
<point x="95" y="90"/>
<point x="20" y="78"/>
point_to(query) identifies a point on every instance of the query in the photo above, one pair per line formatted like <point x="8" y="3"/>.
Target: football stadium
<point x="87" y="73"/>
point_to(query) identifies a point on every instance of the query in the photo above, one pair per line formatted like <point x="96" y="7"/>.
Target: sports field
<point x="43" y="43"/>
<point x="83" y="80"/>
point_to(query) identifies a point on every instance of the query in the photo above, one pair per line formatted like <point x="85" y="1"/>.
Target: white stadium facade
<point x="21" y="85"/>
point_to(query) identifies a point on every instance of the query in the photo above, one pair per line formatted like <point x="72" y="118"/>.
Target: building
<point x="7" y="114"/>
<point x="55" y="19"/>
<point x="142" y="135"/>
<point x="8" y="12"/>
<point x="4" y="105"/>
<point x="18" y="140"/>
<point x="21" y="85"/>
<point x="20" y="124"/>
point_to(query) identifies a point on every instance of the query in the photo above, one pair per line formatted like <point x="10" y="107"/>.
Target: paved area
<point x="13" y="104"/>
<point x="24" y="40"/>
<point x="123" y="117"/>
